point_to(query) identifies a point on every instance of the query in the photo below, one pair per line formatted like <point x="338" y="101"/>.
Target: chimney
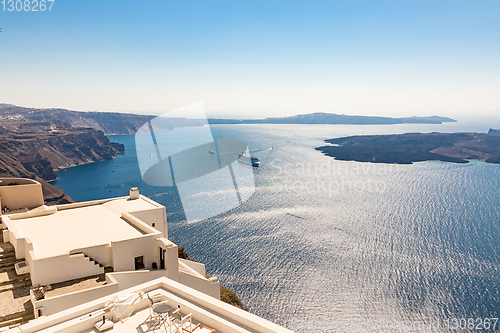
<point x="134" y="193"/>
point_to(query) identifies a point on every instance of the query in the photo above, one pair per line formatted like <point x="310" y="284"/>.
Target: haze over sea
<point x="362" y="241"/>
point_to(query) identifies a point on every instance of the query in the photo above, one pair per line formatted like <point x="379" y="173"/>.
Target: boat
<point x="211" y="151"/>
<point x="248" y="160"/>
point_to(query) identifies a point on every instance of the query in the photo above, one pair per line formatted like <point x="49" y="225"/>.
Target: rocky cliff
<point x="108" y="122"/>
<point x="11" y="167"/>
<point x="111" y="123"/>
<point x="36" y="149"/>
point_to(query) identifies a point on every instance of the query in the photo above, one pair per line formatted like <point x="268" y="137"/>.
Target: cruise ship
<point x="249" y="160"/>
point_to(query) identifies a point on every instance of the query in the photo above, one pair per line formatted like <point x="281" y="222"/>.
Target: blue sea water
<point x="323" y="242"/>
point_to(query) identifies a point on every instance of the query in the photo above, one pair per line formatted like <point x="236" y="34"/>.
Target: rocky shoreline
<point x="416" y="147"/>
<point x="36" y="149"/>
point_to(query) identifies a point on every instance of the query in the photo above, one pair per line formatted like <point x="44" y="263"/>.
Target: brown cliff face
<point x="109" y="122"/>
<point x="45" y="146"/>
<point x="37" y="149"/>
<point x="10" y="167"/>
<point x="53" y="195"/>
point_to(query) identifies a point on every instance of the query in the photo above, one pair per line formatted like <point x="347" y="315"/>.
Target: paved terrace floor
<point x="14" y="289"/>
<point x="14" y="297"/>
<point x="71" y="286"/>
<point x="70" y="229"/>
<point x="136" y="323"/>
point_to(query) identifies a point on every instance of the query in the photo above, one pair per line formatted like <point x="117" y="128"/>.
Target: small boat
<point x="248" y="160"/>
<point x="211" y="151"/>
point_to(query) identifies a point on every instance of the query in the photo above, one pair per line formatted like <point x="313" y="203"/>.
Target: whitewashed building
<point x="126" y="239"/>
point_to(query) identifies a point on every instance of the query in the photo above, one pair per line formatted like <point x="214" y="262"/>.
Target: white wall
<point x="100" y="253"/>
<point x="114" y="283"/>
<point x="156" y="216"/>
<point x="123" y="252"/>
<point x="171" y="257"/>
<point x="59" y="303"/>
<point x="63" y="268"/>
<point x="13" y="237"/>
<point x="209" y="287"/>
<point x="40" y="211"/>
<point x="85" y="204"/>
<point x="144" y="227"/>
<point x="196" y="266"/>
<point x="127" y="280"/>
<point x="30" y="261"/>
<point x="27" y="194"/>
<point x="193" y="301"/>
<point x="17" y="243"/>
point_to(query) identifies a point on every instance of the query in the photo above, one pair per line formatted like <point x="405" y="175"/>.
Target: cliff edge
<point x="36" y="149"/>
<point x="111" y="123"/>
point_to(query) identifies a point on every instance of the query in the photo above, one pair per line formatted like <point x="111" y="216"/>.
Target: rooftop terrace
<point x="205" y="310"/>
<point x="69" y="229"/>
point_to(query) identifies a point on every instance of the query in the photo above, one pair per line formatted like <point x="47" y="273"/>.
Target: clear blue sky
<point x="255" y="58"/>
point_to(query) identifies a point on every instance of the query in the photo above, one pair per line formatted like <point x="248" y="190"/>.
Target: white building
<point x="126" y="238"/>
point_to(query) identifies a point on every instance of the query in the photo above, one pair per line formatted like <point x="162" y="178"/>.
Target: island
<point x="494" y="132"/>
<point x="336" y="119"/>
<point x="415" y="147"/>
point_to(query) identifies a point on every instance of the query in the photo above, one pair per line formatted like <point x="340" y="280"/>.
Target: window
<point x="139" y="262"/>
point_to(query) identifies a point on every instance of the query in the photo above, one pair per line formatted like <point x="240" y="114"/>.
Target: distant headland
<point x="336" y="119"/>
<point x="110" y="123"/>
<point x="416" y="147"/>
<point x="114" y="123"/>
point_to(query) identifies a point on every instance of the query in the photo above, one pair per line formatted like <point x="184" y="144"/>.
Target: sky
<point x="254" y="59"/>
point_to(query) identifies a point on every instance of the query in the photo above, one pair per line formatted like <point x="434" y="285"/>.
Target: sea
<point x="339" y="246"/>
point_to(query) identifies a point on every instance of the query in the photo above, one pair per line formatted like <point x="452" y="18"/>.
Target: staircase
<point x="17" y="318"/>
<point x="92" y="260"/>
<point x="92" y="266"/>
<point x="16" y="310"/>
<point x="8" y="260"/>
<point x="85" y="257"/>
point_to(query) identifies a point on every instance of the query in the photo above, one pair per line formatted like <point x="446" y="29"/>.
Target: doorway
<point x="162" y="258"/>
<point x="139" y="262"/>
